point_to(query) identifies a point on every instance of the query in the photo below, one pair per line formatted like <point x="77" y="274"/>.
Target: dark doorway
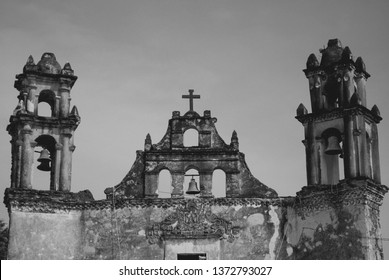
<point x="201" y="256"/>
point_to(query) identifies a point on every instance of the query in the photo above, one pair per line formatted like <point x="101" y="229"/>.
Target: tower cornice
<point x="339" y="113"/>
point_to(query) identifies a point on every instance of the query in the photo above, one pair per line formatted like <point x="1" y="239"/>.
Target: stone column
<point x="376" y="176"/>
<point x="16" y="162"/>
<point x="178" y="184"/>
<point x="350" y="153"/>
<point x="360" y="135"/>
<point x="206" y="184"/>
<point x="360" y="80"/>
<point x="64" y="92"/>
<point x="312" y="156"/>
<point x="232" y="185"/>
<point x="315" y="89"/>
<point x="56" y="106"/>
<point x="64" y="179"/>
<point x="31" y="105"/>
<point x="27" y="157"/>
<point x="348" y="85"/>
<point x="151" y="185"/>
<point x="56" y="167"/>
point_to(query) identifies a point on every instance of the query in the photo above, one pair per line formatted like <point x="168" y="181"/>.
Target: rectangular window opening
<point x="200" y="256"/>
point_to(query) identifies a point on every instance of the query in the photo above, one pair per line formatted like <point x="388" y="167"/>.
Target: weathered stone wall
<point x="321" y="222"/>
<point x="45" y="236"/>
<point x="336" y="222"/>
<point x="123" y="233"/>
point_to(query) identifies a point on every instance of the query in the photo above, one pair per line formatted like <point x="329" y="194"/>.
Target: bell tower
<point x="50" y="135"/>
<point x="344" y="191"/>
<point x="341" y="130"/>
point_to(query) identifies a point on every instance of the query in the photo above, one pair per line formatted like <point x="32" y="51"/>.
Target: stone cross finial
<point x="191" y="97"/>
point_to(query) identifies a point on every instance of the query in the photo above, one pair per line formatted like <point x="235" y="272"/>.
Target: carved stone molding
<point x="192" y="221"/>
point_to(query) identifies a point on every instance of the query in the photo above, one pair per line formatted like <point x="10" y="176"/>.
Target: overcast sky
<point x="135" y="59"/>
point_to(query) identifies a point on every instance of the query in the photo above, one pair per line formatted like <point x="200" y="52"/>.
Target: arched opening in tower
<point x="44" y="163"/>
<point x="44" y="110"/>
<point x="46" y="103"/>
<point x="164" y="184"/>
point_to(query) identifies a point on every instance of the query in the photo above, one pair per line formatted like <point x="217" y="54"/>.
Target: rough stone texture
<point x="310" y="226"/>
<point x="336" y="222"/>
<point x="45" y="236"/>
<point x="74" y="229"/>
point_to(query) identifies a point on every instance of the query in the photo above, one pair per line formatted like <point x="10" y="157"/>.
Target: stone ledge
<point x="52" y="202"/>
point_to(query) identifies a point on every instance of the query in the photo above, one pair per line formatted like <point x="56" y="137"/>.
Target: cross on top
<point x="191" y="96"/>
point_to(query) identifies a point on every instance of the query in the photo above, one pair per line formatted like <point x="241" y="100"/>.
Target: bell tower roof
<point x="49" y="64"/>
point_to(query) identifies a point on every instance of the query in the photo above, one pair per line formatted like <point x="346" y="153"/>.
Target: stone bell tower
<point x="342" y="159"/>
<point x="52" y="136"/>
<point x="340" y="127"/>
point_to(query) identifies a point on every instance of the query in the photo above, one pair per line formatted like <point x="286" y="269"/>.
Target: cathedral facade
<point x="330" y="218"/>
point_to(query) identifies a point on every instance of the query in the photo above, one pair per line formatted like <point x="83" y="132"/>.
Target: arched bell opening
<point x="191" y="183"/>
<point x="332" y="166"/>
<point x="164" y="184"/>
<point x="44" y="163"/>
<point x="219" y="183"/>
<point x="191" y="138"/>
<point x="46" y="103"/>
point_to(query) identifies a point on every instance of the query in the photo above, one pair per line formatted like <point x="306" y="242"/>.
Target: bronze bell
<point x="45" y="160"/>
<point x="333" y="147"/>
<point x="192" y="189"/>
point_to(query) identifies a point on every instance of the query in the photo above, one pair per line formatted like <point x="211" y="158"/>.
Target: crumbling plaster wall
<point x="56" y="235"/>
<point x="122" y="234"/>
<point x="331" y="233"/>
<point x="279" y="228"/>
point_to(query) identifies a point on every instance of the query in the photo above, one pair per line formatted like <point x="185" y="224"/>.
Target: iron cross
<point x="191" y="97"/>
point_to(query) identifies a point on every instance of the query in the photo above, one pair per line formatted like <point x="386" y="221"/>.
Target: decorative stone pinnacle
<point x="312" y="62"/>
<point x="376" y="111"/>
<point x="74" y="111"/>
<point x="67" y="69"/>
<point x="30" y="60"/>
<point x="148" y="139"/>
<point x="234" y="135"/>
<point x="148" y="142"/>
<point x="301" y="110"/>
<point x="191" y="97"/>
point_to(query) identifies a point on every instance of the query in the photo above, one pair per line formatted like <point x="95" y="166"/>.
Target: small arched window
<point x="191" y="138"/>
<point x="46" y="103"/>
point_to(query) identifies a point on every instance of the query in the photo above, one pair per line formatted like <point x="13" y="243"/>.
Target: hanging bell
<point x="333" y="147"/>
<point x="192" y="189"/>
<point x="44" y="159"/>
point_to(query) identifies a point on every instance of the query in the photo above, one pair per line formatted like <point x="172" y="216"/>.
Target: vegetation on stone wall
<point x="3" y="240"/>
<point x="341" y="241"/>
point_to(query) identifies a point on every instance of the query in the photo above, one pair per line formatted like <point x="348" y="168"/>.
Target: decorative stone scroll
<point x="192" y="221"/>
